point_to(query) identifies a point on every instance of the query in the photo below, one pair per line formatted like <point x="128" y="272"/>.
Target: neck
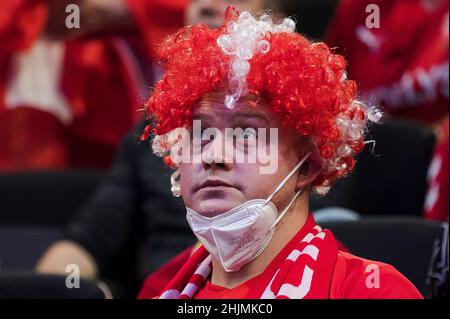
<point x="285" y="230"/>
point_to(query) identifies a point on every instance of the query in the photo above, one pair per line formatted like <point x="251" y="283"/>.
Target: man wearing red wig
<point x="258" y="238"/>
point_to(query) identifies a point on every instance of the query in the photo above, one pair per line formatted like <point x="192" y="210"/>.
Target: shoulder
<point x="358" y="278"/>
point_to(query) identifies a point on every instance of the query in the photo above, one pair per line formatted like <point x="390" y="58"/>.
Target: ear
<point x="310" y="169"/>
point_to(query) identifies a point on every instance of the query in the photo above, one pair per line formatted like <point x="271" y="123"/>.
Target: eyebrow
<point x="240" y="115"/>
<point x="250" y="114"/>
<point x="203" y="115"/>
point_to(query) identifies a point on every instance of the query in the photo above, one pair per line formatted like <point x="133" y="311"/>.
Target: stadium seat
<point x="29" y="243"/>
<point x="35" y="286"/>
<point x="48" y="198"/>
<point x="35" y="207"/>
<point x="391" y="181"/>
<point x="405" y="243"/>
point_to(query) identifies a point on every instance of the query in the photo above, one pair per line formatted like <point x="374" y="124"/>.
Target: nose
<point x="217" y="155"/>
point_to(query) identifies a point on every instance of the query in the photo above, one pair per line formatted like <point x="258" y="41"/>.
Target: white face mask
<point x="240" y="235"/>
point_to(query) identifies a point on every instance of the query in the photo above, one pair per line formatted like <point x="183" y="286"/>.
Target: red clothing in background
<point x="157" y="18"/>
<point x="83" y="95"/>
<point x="436" y="203"/>
<point x="403" y="64"/>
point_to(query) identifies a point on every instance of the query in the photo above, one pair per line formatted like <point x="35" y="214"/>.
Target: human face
<point x="211" y="12"/>
<point x="217" y="184"/>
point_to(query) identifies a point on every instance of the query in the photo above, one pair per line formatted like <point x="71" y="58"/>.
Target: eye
<point x="247" y="134"/>
<point x="208" y="135"/>
<point x="250" y="133"/>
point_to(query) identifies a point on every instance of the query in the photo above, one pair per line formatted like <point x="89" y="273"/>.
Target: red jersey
<point x="312" y="267"/>
<point x="351" y="280"/>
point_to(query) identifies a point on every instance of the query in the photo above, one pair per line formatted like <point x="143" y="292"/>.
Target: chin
<point x="213" y="201"/>
<point x="215" y="207"/>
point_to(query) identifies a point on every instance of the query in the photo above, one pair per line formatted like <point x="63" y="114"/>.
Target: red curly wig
<point x="304" y="82"/>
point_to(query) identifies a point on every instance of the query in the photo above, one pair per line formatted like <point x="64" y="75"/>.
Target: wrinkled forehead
<point x="212" y="107"/>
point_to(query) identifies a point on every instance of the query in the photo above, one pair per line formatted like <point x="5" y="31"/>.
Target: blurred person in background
<point x="68" y="95"/>
<point x="402" y="62"/>
<point x="436" y="200"/>
<point x="133" y="224"/>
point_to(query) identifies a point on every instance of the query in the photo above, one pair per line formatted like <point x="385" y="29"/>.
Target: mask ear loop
<point x="284" y="181"/>
<point x="297" y="194"/>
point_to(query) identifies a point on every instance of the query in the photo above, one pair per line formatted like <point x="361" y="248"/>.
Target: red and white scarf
<point x="305" y="273"/>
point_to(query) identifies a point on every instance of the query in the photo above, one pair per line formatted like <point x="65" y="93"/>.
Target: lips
<point x="214" y="183"/>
